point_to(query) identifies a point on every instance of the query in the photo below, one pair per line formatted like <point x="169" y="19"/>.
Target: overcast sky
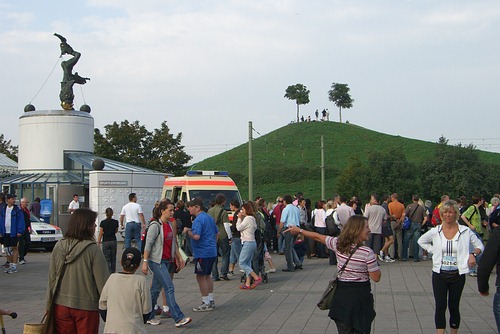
<point x="419" y="69"/>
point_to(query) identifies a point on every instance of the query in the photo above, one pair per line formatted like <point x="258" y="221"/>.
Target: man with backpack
<point x="11" y="229"/>
<point x="220" y="216"/>
<point x="472" y="218"/>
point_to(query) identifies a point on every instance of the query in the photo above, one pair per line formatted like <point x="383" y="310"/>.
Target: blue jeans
<point x="133" y="231"/>
<point x="412" y="233"/>
<point x="246" y="256"/>
<point x="161" y="279"/>
<point x="225" y="251"/>
<point x="235" y="250"/>
<point x="496" y="309"/>
<point x="281" y="243"/>
<point x="292" y="259"/>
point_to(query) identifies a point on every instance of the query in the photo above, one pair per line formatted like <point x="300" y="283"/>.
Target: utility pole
<point x="250" y="160"/>
<point x="322" y="169"/>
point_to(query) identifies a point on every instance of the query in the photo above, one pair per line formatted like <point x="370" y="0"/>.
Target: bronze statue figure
<point x="69" y="79"/>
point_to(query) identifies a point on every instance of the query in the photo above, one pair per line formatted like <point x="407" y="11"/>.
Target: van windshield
<point x="209" y="195"/>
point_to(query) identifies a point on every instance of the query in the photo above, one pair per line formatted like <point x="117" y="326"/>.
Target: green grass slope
<point x="288" y="159"/>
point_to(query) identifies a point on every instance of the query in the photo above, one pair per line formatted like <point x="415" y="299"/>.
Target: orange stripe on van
<point x="199" y="183"/>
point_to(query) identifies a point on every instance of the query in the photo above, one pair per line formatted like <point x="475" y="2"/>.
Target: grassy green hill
<point x="288" y="159"/>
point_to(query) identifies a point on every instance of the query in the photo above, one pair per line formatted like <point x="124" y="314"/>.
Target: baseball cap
<point x="132" y="255"/>
<point x="196" y="201"/>
<point x="8" y="196"/>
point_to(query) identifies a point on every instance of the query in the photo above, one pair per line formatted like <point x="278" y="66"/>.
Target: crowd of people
<point x="84" y="285"/>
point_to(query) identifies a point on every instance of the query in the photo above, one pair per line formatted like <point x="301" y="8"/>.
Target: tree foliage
<point x="457" y="170"/>
<point x="299" y="93"/>
<point x="339" y="94"/>
<point x="7" y="148"/>
<point x="383" y="173"/>
<point x="132" y="143"/>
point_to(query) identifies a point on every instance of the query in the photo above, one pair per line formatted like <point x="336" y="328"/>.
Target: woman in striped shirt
<point x="352" y="307"/>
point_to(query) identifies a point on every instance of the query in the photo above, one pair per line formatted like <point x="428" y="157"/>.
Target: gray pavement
<point x="403" y="299"/>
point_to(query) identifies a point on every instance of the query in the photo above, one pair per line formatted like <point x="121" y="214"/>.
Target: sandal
<point x="245" y="287"/>
<point x="256" y="283"/>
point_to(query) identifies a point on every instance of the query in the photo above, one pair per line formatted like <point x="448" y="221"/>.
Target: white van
<point x="204" y="184"/>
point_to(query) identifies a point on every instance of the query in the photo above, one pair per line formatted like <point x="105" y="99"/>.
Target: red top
<point x="168" y="237"/>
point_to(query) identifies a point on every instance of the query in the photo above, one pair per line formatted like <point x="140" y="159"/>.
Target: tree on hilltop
<point x="299" y="93"/>
<point x="339" y="94"/>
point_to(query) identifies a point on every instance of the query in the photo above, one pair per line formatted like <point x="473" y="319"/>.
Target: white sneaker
<point x="381" y="258"/>
<point x="204" y="308"/>
<point x="389" y="260"/>
<point x="183" y="322"/>
<point x="273" y="270"/>
<point x="381" y="253"/>
<point x="153" y="322"/>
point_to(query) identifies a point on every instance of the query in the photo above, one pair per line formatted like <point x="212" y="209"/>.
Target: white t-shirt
<point x="8" y="216"/>
<point x="127" y="298"/>
<point x="131" y="212"/>
<point x="73" y="205"/>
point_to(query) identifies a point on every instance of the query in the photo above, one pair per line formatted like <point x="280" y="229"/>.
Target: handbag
<point x="407" y="221"/>
<point x="326" y="299"/>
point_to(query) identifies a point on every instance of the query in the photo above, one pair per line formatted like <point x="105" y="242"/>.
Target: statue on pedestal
<point x="69" y="78"/>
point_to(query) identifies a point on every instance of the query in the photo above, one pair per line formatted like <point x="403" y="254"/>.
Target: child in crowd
<point x="300" y="247"/>
<point x="125" y="301"/>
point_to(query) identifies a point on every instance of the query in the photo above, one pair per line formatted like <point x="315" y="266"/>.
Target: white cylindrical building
<point x="45" y="135"/>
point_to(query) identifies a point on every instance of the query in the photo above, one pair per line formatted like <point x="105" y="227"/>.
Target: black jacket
<point x="490" y="258"/>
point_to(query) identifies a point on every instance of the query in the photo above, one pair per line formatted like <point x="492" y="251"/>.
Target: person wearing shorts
<point x="203" y="235"/>
<point x="11" y="230"/>
<point x="389" y="240"/>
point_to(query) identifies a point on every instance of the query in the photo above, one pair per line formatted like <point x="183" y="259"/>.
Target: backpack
<point x="332" y="224"/>
<point x="144" y="235"/>
<point x="462" y="222"/>
<point x="436" y="217"/>
<point x="269" y="232"/>
<point x="261" y="227"/>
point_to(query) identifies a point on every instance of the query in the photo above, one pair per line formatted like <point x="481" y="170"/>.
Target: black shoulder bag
<point x="326" y="300"/>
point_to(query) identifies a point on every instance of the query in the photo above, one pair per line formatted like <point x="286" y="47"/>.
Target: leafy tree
<point x="167" y="151"/>
<point x="132" y="143"/>
<point x="339" y="94"/>
<point x="8" y="149"/>
<point x="383" y="173"/>
<point x="299" y="93"/>
<point x="457" y="170"/>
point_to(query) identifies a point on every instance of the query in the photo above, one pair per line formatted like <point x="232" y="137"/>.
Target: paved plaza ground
<point x="403" y="299"/>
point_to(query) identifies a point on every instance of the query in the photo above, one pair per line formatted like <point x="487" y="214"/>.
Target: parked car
<point x="44" y="235"/>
